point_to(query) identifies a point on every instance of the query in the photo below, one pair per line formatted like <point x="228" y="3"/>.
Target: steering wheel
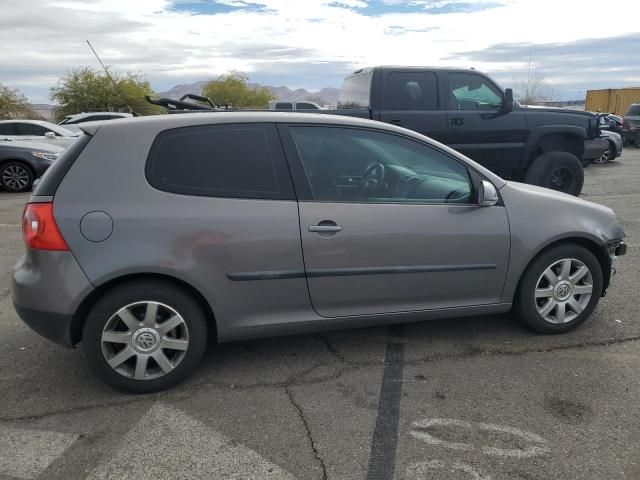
<point x="372" y="179"/>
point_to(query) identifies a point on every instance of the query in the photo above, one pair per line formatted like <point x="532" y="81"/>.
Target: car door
<point x="410" y="99"/>
<point x="476" y="127"/>
<point x="412" y="238"/>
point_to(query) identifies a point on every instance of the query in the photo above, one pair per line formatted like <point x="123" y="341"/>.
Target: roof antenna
<point x="115" y="85"/>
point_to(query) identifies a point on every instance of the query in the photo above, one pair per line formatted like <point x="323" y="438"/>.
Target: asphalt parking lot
<point x="477" y="398"/>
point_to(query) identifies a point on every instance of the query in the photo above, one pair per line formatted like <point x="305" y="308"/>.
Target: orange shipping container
<point x="611" y="100"/>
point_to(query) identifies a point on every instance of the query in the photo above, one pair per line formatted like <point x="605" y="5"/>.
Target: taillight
<point x="39" y="228"/>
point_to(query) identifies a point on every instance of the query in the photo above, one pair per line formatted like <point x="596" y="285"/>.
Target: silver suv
<point x="150" y="235"/>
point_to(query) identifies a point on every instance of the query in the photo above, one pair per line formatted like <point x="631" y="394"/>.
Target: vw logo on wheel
<point x="563" y="290"/>
<point x="146" y="341"/>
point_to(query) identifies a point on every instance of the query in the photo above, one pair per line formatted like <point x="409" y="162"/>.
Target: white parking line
<point x="167" y="443"/>
<point x="27" y="453"/>
<point x="536" y="444"/>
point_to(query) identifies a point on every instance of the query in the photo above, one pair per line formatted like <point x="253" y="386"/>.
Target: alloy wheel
<point x="604" y="158"/>
<point x="145" y="340"/>
<point x="563" y="290"/>
<point x="15" y="177"/>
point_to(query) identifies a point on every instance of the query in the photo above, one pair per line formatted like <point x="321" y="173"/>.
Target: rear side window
<point x="634" y="110"/>
<point x="355" y="91"/>
<point x="305" y="106"/>
<point x="7" y="129"/>
<point x="240" y="161"/>
<point x="284" y="106"/>
<point x="411" y="91"/>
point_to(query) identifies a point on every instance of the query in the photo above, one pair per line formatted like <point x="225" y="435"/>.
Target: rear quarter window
<point x="238" y="161"/>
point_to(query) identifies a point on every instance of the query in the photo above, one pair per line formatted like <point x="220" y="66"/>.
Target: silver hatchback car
<point x="150" y="235"/>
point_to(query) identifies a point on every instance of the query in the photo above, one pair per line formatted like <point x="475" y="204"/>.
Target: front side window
<point x="470" y="91"/>
<point x="284" y="106"/>
<point x="216" y="160"/>
<point x="365" y="166"/>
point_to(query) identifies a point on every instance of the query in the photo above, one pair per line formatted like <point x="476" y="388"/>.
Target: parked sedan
<point x="151" y="235"/>
<point x="38" y="131"/>
<point x="22" y="162"/>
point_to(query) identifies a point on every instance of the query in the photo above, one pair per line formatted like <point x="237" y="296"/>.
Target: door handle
<point x="456" y="122"/>
<point x="325" y="228"/>
<point x="396" y="121"/>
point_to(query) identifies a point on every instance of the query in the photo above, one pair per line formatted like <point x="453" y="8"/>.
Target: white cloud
<point x="41" y="39"/>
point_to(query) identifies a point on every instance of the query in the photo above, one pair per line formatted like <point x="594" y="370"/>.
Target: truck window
<point x="411" y="91"/>
<point x="470" y="91"/>
<point x="355" y="91"/>
<point x="305" y="106"/>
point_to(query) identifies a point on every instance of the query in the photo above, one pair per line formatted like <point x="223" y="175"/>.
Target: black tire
<point x="16" y="177"/>
<point x="145" y="291"/>
<point x="525" y="303"/>
<point x="560" y="171"/>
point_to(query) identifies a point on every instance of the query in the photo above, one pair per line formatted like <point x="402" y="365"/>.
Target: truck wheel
<point x="560" y="171"/>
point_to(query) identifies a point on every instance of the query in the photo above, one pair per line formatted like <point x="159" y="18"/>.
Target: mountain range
<point x="325" y="96"/>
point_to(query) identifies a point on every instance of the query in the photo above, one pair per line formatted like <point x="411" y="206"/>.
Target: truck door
<point x="475" y="127"/>
<point x="410" y="99"/>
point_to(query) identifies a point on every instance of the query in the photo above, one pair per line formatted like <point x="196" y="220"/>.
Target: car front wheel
<point x="560" y="289"/>
<point x="145" y="336"/>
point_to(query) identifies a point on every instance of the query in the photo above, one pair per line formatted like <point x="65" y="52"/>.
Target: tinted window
<point x="411" y="91"/>
<point x="355" y="165"/>
<point x="469" y="91"/>
<point x="305" y="106"/>
<point x="30" y="129"/>
<point x="633" y="110"/>
<point x="284" y="106"/>
<point x="217" y="160"/>
<point x="7" y="129"/>
<point x="355" y="91"/>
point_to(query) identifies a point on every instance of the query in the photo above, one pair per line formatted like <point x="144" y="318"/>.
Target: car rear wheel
<point x="557" y="170"/>
<point x="559" y="290"/>
<point x="16" y="177"/>
<point x="145" y="336"/>
<point x="607" y="156"/>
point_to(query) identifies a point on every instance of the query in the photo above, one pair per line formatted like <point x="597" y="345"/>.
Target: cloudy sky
<point x="574" y="44"/>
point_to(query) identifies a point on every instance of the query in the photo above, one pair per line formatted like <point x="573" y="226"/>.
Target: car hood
<point x="538" y="108"/>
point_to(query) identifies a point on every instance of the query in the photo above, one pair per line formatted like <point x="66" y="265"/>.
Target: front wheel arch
<point x="599" y="251"/>
<point x="77" y="323"/>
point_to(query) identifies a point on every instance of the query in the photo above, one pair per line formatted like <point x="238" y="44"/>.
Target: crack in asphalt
<point x="331" y="349"/>
<point x="298" y="378"/>
<point x="312" y="443"/>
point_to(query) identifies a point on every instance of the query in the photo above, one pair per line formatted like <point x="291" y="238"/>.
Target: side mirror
<point x="50" y="135"/>
<point x="507" y="101"/>
<point x="488" y="195"/>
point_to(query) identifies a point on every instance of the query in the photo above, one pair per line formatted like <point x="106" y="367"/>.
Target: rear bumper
<point x="52" y="326"/>
<point x="594" y="148"/>
<point x="47" y="290"/>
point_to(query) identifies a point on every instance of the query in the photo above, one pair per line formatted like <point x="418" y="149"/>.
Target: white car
<point x="293" y="105"/>
<point x="37" y="131"/>
<point x="71" y="121"/>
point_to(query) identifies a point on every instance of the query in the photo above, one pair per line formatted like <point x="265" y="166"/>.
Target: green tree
<point x="14" y="104"/>
<point x="85" y="90"/>
<point x="232" y="89"/>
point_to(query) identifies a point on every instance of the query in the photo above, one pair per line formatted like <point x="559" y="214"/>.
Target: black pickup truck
<point x="467" y="111"/>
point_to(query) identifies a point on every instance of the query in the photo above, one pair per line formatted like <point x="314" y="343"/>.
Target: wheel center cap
<point x="562" y="291"/>
<point x="145" y="340"/>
